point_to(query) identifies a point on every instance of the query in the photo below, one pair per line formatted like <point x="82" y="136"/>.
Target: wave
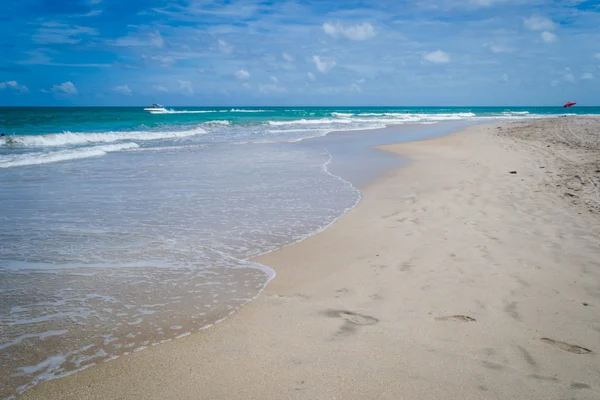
<point x="62" y="155"/>
<point x="321" y="121"/>
<point x="339" y="114"/>
<point x="237" y="110"/>
<point x="187" y="111"/>
<point x="515" y="113"/>
<point x="440" y="116"/>
<point x="81" y="138"/>
<point x="217" y="122"/>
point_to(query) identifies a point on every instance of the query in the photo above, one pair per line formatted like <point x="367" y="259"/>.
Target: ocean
<point x="123" y="229"/>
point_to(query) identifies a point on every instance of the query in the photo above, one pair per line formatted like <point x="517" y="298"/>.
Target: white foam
<point x="185" y="112"/>
<point x="338" y="114"/>
<point x="321" y="121"/>
<point x="217" y="122"/>
<point x="234" y="110"/>
<point x="40" y="336"/>
<point x="515" y="112"/>
<point x="62" y="155"/>
<point x="81" y="138"/>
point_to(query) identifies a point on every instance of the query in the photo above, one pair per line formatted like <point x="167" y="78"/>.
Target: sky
<point x="314" y="52"/>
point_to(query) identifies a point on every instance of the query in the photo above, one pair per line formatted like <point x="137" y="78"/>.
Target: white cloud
<point x="287" y="57"/>
<point x="569" y="78"/>
<point x="58" y="33"/>
<point x="151" y="39"/>
<point x="538" y="23"/>
<point x="123" y="89"/>
<point x="548" y="37"/>
<point x="505" y="78"/>
<point x="481" y="3"/>
<point x="92" y="13"/>
<point x="437" y="57"/>
<point x="353" y="32"/>
<point x="225" y="47"/>
<point x="323" y="66"/>
<point x="274" y="79"/>
<point x="159" y="88"/>
<point x="15" y="86"/>
<point x="587" y="76"/>
<point x="186" y="87"/>
<point x="66" y="88"/>
<point x="597" y="56"/>
<point x="242" y="74"/>
<point x="156" y="39"/>
<point x="311" y="76"/>
<point x="164" y="61"/>
<point x="498" y="48"/>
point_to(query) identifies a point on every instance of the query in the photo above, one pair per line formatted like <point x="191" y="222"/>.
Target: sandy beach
<point x="472" y="273"/>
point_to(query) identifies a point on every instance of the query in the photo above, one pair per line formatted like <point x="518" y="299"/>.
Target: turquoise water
<point x="123" y="229"/>
<point x="39" y="135"/>
<point x="44" y="120"/>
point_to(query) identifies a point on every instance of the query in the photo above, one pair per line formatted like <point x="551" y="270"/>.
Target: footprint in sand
<point x="351" y="321"/>
<point x="571" y="348"/>
<point x="461" y="318"/>
<point x="351" y="317"/>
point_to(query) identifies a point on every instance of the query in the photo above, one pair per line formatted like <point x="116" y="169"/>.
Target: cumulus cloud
<point x="437" y="57"/>
<point x="242" y="74"/>
<point x="14" y="86"/>
<point x="587" y="76"/>
<point x="353" y="32"/>
<point x="548" y="37"/>
<point x="323" y="66"/>
<point x="186" y="87"/>
<point x="65" y="88"/>
<point x="569" y="78"/>
<point x="123" y="89"/>
<point x="311" y="76"/>
<point x="498" y="48"/>
<point x="539" y="23"/>
<point x="287" y="57"/>
<point x="159" y="88"/>
<point x="225" y="47"/>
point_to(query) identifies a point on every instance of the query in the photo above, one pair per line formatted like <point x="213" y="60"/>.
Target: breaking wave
<point x="62" y="155"/>
<point x="80" y="138"/>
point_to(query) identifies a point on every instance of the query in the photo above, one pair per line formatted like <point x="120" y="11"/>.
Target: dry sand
<point x="452" y="279"/>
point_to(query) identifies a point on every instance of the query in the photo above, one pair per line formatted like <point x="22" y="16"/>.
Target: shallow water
<point x="108" y="255"/>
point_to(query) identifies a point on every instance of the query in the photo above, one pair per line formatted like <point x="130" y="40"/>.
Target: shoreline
<point x="324" y="143"/>
<point x="369" y="309"/>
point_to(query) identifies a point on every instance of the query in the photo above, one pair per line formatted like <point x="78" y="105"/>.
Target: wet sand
<point x="472" y="273"/>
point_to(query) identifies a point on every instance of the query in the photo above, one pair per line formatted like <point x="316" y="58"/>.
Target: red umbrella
<point x="569" y="104"/>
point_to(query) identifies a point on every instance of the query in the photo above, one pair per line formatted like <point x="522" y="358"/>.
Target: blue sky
<point x="258" y="52"/>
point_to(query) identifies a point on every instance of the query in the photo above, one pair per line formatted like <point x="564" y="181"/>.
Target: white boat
<point x="156" y="109"/>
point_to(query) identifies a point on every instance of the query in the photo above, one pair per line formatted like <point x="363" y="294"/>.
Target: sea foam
<point x="81" y="138"/>
<point x="62" y="155"/>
